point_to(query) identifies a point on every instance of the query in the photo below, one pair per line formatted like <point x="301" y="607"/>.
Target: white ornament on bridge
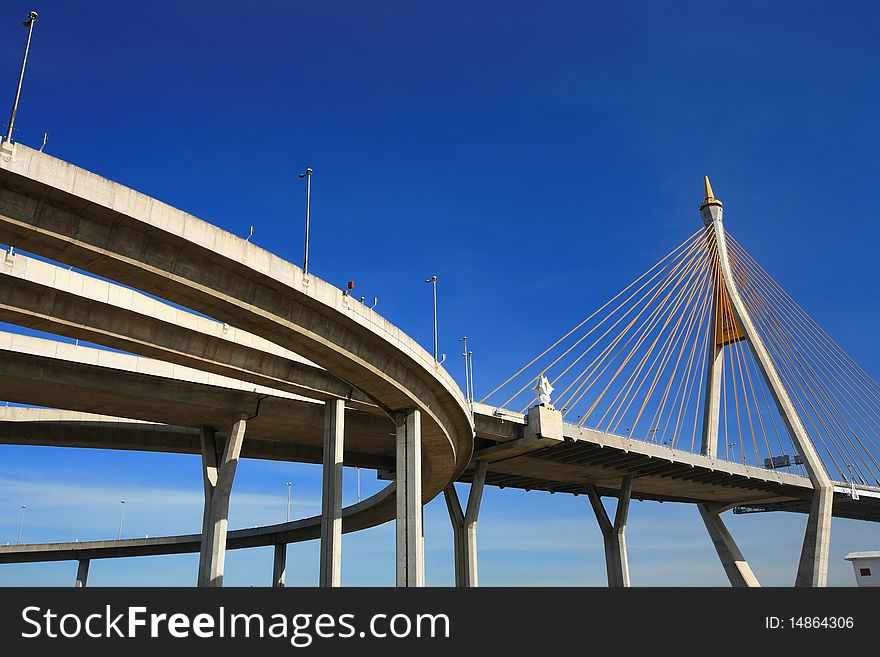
<point x="543" y="390"/>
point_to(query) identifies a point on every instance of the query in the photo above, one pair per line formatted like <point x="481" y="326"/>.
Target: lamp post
<point x="29" y="24"/>
<point x="433" y="282"/>
<point x="470" y="365"/>
<point x="287" y="483"/>
<point x="121" y="518"/>
<point x="307" y="174"/>
<point x="467" y="370"/>
<point x="21" y="523"/>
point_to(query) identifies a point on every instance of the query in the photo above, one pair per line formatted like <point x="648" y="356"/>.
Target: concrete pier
<point x="331" y="494"/>
<point x="735" y="565"/>
<point x="712" y="393"/>
<point x="410" y="539"/>
<point x="82" y="574"/>
<point x="813" y="565"/>
<point x="208" y="443"/>
<point x="464" y="527"/>
<point x="279" y="567"/>
<point x="218" y="488"/>
<point x="614" y="535"/>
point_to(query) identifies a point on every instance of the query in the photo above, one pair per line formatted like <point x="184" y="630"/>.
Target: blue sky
<point x="535" y="159"/>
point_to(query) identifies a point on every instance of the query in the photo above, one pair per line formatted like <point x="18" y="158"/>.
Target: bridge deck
<point x="659" y="473"/>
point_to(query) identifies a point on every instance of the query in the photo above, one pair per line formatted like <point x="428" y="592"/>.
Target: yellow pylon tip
<point x="710" y="196"/>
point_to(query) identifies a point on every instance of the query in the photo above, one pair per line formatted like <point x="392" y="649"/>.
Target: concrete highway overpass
<point x="214" y="346"/>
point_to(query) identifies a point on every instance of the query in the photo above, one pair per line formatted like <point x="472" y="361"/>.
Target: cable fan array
<point x="838" y="402"/>
<point x="637" y="367"/>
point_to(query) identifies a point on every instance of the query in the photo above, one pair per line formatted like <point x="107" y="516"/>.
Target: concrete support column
<point x="714" y="371"/>
<point x="813" y="566"/>
<point x="279" y="569"/>
<point x="209" y="479"/>
<point x="456" y="517"/>
<point x="331" y="494"/>
<point x="735" y="565"/>
<point x="82" y="574"/>
<point x="213" y="554"/>
<point x="410" y="539"/>
<point x="464" y="527"/>
<point x="614" y="535"/>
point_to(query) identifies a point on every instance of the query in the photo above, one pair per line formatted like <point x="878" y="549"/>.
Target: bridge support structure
<point x="464" y="527"/>
<point x="218" y="474"/>
<point x="331" y="494"/>
<point x="813" y="566"/>
<point x="614" y="534"/>
<point x="82" y="573"/>
<point x="279" y="566"/>
<point x="409" y="522"/>
<point x="735" y="565"/>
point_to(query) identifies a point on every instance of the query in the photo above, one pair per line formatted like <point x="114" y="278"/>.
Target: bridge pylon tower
<point x="813" y="565"/>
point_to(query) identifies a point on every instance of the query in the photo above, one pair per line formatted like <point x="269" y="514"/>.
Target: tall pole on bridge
<point x="121" y="518"/>
<point x="21" y="523"/>
<point x="307" y="174"/>
<point x="433" y="282"/>
<point x="32" y="18"/>
<point x="467" y="370"/>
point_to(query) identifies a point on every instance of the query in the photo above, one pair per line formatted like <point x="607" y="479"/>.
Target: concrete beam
<point x="614" y="535"/>
<point x="464" y="527"/>
<point x="367" y="513"/>
<point x="82" y="573"/>
<point x="410" y="538"/>
<point x="813" y="565"/>
<point x="279" y="569"/>
<point x="331" y="494"/>
<point x="214" y="540"/>
<point x="49" y="298"/>
<point x="735" y="565"/>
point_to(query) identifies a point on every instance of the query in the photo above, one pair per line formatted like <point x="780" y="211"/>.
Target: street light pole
<point x="433" y="282"/>
<point x="121" y="518"/>
<point x="467" y="371"/>
<point x="21" y="523"/>
<point x="470" y="366"/>
<point x="287" y="483"/>
<point x="29" y="23"/>
<point x="307" y="174"/>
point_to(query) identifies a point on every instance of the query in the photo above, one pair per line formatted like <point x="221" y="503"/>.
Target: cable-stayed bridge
<point x="702" y="382"/>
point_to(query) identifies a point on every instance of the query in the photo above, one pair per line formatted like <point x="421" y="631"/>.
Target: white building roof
<point x="852" y="556"/>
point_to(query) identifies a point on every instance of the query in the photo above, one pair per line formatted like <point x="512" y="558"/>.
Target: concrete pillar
<point x="456" y="518"/>
<point x="209" y="479"/>
<point x="279" y="569"/>
<point x="714" y="371"/>
<point x="464" y="527"/>
<point x="735" y="565"/>
<point x="82" y="574"/>
<point x="410" y="540"/>
<point x="331" y="494"/>
<point x="813" y="566"/>
<point x="614" y="535"/>
<point x="214" y="539"/>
